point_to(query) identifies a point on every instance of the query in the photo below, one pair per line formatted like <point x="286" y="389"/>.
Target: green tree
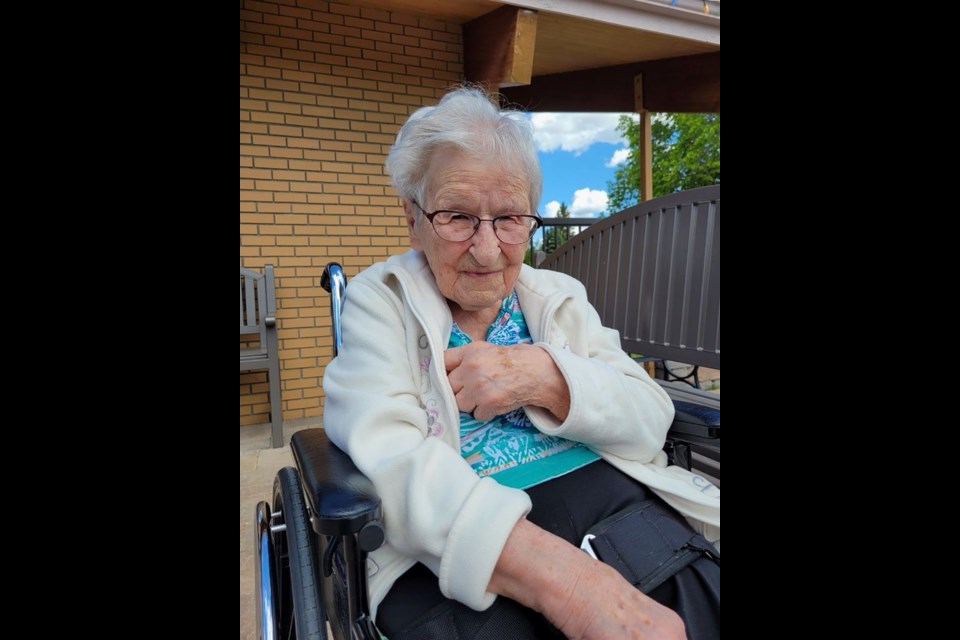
<point x="686" y="155"/>
<point x="553" y="237"/>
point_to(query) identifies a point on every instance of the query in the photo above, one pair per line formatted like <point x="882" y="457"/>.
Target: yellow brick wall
<point x="324" y="87"/>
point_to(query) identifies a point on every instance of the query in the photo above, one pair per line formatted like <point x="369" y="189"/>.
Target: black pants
<point x="567" y="507"/>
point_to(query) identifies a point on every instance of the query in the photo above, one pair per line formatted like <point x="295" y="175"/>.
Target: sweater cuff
<point x="542" y="419"/>
<point x="476" y="541"/>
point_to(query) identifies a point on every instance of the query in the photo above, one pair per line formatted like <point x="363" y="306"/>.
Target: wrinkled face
<point x="478" y="273"/>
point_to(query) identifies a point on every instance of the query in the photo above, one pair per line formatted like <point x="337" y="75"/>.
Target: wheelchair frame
<point x="303" y="576"/>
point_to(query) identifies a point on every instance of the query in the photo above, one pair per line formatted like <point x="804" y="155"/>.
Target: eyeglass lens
<point x="457" y="227"/>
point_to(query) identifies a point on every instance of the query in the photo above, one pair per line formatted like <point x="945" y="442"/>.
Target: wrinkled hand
<point x="490" y="380"/>
<point x="584" y="598"/>
<point x="603" y="605"/>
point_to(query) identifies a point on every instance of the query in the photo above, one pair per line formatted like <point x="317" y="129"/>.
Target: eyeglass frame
<point x="430" y="215"/>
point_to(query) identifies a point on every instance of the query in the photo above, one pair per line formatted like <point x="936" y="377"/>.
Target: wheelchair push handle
<point x="334" y="281"/>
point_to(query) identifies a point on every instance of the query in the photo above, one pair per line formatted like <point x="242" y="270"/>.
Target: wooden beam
<point x="690" y="84"/>
<point x="606" y="89"/>
<point x="645" y="138"/>
<point x="498" y="47"/>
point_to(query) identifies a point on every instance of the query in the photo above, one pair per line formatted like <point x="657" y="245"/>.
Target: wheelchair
<point x="312" y="540"/>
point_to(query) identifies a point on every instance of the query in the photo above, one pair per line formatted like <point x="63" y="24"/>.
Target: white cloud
<point x="574" y="132"/>
<point x="619" y="157"/>
<point x="587" y="203"/>
<point x="550" y="209"/>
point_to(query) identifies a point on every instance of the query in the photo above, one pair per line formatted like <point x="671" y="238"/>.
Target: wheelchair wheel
<point x="299" y="607"/>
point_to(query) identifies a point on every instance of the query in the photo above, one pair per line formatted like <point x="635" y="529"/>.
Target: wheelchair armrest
<point x="697" y="414"/>
<point x="342" y="499"/>
<point x="694" y="436"/>
<point x="695" y="420"/>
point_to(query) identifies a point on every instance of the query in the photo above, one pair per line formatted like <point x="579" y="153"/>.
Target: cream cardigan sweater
<point x="390" y="407"/>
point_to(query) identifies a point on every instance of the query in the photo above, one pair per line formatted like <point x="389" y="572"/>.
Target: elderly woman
<point x="497" y="418"/>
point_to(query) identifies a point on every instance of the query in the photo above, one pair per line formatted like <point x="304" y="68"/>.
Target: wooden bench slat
<point x="257" y="303"/>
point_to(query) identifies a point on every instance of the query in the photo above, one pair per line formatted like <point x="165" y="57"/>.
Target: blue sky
<point x="579" y="155"/>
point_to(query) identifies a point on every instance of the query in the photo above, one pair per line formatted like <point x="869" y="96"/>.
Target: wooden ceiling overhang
<point x="586" y="55"/>
<point x="505" y="47"/>
<point x="690" y="84"/>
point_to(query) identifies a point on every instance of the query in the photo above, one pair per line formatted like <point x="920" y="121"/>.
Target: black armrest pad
<point x="696" y="420"/>
<point x="342" y="498"/>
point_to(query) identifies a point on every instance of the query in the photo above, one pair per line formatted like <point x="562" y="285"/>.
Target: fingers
<point x="476" y="375"/>
<point x="465" y="403"/>
<point x="482" y="415"/>
<point x="478" y="353"/>
<point x="453" y="358"/>
<point x="464" y="393"/>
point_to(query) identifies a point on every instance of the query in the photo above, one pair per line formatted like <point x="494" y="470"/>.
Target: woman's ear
<point x="410" y="213"/>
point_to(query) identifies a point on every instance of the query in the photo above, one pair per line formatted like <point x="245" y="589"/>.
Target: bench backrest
<point x="257" y="305"/>
<point x="653" y="273"/>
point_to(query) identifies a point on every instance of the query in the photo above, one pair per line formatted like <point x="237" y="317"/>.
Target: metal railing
<point x="553" y="233"/>
<point x="652" y="272"/>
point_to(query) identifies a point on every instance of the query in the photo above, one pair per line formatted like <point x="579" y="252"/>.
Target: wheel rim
<point x="266" y="576"/>
<point x="300" y="612"/>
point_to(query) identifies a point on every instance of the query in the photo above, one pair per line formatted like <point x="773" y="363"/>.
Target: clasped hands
<point x="490" y="380"/>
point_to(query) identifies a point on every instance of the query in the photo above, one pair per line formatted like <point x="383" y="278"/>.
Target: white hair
<point x="466" y="119"/>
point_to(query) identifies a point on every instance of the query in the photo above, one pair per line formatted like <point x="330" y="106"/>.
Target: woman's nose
<point x="485" y="245"/>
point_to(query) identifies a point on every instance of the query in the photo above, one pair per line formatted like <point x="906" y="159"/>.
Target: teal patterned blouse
<point x="508" y="446"/>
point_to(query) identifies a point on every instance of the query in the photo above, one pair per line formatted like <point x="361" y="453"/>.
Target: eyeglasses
<point x="456" y="226"/>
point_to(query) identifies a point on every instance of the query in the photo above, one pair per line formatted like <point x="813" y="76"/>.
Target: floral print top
<point x="508" y="446"/>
